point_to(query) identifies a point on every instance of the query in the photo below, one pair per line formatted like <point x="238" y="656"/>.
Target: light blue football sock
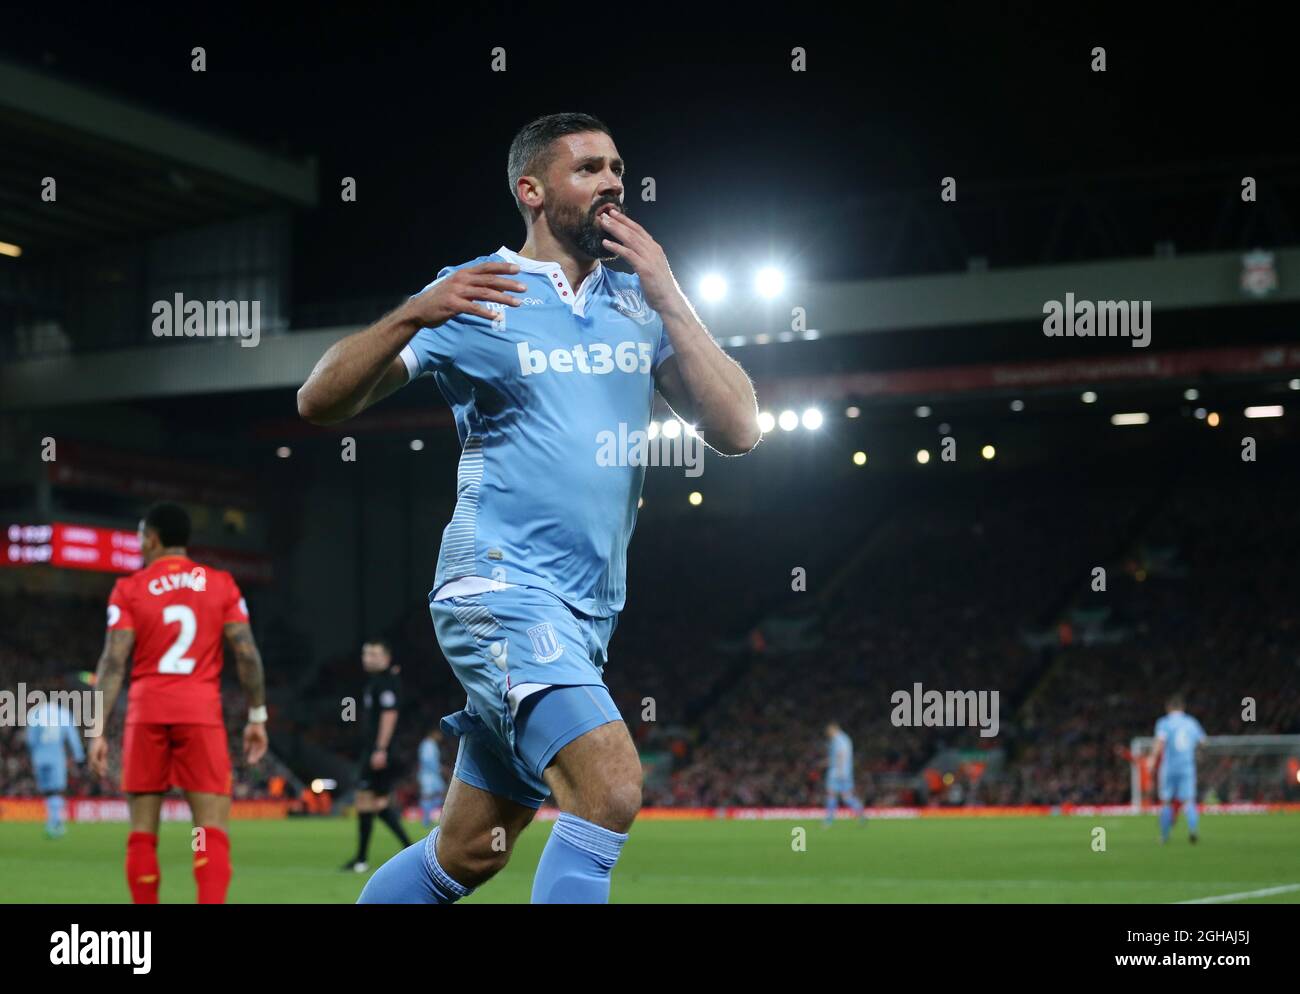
<point x="1166" y="821"/>
<point x="413" y="876"/>
<point x="54" y="812"/>
<point x="576" y="863"/>
<point x="1193" y="817"/>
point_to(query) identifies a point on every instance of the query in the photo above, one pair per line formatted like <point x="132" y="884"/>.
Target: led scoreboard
<point x="73" y="547"/>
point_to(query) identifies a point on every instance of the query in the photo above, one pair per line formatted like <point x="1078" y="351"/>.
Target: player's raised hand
<point x="255" y="742"/>
<point x="97" y="756"/>
<point x="628" y="240"/>
<point x="463" y="292"/>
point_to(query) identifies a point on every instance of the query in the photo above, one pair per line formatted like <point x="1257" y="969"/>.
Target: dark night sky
<point x="746" y="154"/>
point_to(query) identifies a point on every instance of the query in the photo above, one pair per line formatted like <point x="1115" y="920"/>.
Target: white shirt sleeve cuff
<point x="411" y="362"/>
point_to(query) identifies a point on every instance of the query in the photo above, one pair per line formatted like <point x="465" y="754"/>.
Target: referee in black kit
<point x="379" y="770"/>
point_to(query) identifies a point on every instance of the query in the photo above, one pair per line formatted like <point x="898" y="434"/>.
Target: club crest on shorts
<point x="545" y="645"/>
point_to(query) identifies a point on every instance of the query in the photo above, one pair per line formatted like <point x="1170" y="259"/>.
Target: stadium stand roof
<point x="964" y="301"/>
<point x="122" y="171"/>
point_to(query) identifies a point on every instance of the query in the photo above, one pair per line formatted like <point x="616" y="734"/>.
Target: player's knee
<point x="620" y="804"/>
<point x="479" y="866"/>
<point x="473" y="861"/>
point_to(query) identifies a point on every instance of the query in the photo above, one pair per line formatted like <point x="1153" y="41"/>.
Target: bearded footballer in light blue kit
<point x="1178" y="735"/>
<point x="540" y="352"/>
<point x="51" y="734"/>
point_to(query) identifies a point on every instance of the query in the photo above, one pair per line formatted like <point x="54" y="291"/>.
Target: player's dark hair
<point x="382" y="643"/>
<point x="531" y="152"/>
<point x="1175" y="702"/>
<point x="171" y="522"/>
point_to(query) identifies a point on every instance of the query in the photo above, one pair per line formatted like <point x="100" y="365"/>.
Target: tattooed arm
<point x="248" y="662"/>
<point x="109" y="674"/>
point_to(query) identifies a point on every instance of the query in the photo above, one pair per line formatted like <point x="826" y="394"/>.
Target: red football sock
<point x="142" y="873"/>
<point x="212" y="867"/>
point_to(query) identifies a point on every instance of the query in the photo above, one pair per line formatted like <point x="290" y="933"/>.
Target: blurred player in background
<point x="1144" y="764"/>
<point x="173" y="614"/>
<point x="839" y="773"/>
<point x="432" y="786"/>
<point x="50" y="730"/>
<point x="533" y="566"/>
<point x="378" y="771"/>
<point x="1178" y="735"/>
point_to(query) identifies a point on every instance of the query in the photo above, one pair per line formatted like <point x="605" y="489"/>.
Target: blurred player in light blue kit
<point x="50" y="731"/>
<point x="432" y="786"/>
<point x="839" y="773"/>
<point x="1177" y="736"/>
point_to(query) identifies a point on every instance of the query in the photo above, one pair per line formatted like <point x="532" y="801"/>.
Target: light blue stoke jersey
<point x="50" y="730"/>
<point x="840" y="756"/>
<point x="1180" y="733"/>
<point x="430" y="758"/>
<point x="546" y="399"/>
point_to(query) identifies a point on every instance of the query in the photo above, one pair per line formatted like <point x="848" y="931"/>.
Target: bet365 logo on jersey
<point x="597" y="358"/>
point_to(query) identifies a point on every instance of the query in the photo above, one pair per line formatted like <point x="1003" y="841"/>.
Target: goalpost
<point x="1231" y="769"/>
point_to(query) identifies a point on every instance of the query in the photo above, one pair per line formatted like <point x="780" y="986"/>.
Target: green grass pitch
<point x="931" y="860"/>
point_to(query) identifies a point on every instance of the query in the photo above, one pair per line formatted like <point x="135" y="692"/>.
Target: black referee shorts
<point x="379" y="782"/>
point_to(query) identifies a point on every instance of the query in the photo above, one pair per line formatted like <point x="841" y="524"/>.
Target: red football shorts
<point x="192" y="757"/>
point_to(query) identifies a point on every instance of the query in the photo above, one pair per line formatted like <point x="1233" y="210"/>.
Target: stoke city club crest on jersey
<point x="631" y="304"/>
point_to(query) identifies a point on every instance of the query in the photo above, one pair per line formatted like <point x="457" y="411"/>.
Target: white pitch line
<point x="1222" y="898"/>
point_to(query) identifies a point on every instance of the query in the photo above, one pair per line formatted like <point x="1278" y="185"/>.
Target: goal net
<point x="1230" y="769"/>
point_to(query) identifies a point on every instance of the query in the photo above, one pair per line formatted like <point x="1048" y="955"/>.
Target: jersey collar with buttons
<point x="559" y="282"/>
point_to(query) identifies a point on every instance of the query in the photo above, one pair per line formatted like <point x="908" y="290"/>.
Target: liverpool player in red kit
<point x="174" y="613"/>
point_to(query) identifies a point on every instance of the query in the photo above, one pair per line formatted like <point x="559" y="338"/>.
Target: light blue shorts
<point x="51" y="778"/>
<point x="1178" y="785"/>
<point x="839" y="785"/>
<point x="501" y="639"/>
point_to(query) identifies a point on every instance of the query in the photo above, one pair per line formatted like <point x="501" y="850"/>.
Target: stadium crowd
<point x="51" y="644"/>
<point x="940" y="593"/>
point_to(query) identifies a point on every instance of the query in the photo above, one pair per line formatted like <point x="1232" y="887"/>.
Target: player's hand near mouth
<point x="700" y="382"/>
<point x="631" y="242"/>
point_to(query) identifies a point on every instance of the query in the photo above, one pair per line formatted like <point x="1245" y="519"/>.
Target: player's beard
<point x="580" y="230"/>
